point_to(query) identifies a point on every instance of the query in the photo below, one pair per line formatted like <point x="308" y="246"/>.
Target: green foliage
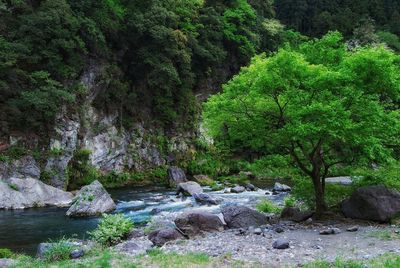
<point x="112" y="229"/>
<point x="388" y="175"/>
<point x="385" y="234"/>
<point x="80" y="170"/>
<point x="319" y="103"/>
<point x="59" y="250"/>
<point x="289" y="201"/>
<point x="6" y="253"/>
<point x="390" y="39"/>
<point x="267" y="206"/>
<point x="273" y="166"/>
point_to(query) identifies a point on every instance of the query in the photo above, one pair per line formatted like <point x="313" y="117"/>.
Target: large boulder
<point x="162" y="236"/>
<point x="195" y="223"/>
<point x="243" y="217"/>
<point x="376" y="203"/>
<point x="294" y="214"/>
<point x="91" y="200"/>
<point x="26" y="193"/>
<point x="189" y="188"/>
<point x="176" y="176"/>
<point x="206" y="199"/>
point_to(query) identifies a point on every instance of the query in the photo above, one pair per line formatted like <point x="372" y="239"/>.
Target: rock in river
<point x="243" y="217"/>
<point x="91" y="200"/>
<point x="238" y="189"/>
<point x="26" y="193"/>
<point x="376" y="203"/>
<point x="175" y="176"/>
<point x="279" y="187"/>
<point x="195" y="223"/>
<point x="206" y="199"/>
<point x="189" y="188"/>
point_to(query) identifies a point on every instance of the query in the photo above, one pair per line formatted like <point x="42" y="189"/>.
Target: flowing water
<point x="23" y="230"/>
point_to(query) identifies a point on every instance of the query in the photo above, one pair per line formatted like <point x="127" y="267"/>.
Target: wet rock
<point x="136" y="233"/>
<point x="91" y="200"/>
<point x="195" y="223"/>
<point x="250" y="187"/>
<point x="26" y="193"/>
<point x="376" y="203"/>
<point x="77" y="253"/>
<point x="206" y="199"/>
<point x="155" y="211"/>
<point x="189" y="188"/>
<point x="330" y="231"/>
<point x="352" y="229"/>
<point x="280" y="244"/>
<point x="237" y="216"/>
<point x="279" y="188"/>
<point x="238" y="189"/>
<point x="176" y="176"/>
<point x="5" y="263"/>
<point x="279" y="229"/>
<point x="160" y="237"/>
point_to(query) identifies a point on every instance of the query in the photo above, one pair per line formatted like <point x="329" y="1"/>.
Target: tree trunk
<point x="320" y="206"/>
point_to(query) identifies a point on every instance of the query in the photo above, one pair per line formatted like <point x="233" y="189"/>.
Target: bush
<point x="289" y="201"/>
<point x="388" y="175"/>
<point x="59" y="250"/>
<point x="112" y="229"/>
<point x="267" y="206"/>
<point x="6" y="253"/>
<point x="273" y="166"/>
<point x="80" y="170"/>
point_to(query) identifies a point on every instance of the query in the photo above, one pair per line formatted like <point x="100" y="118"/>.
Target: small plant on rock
<point x="112" y="229"/>
<point x="59" y="250"/>
<point x="267" y="206"/>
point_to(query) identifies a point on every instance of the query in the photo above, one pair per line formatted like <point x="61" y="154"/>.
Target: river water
<point x="23" y="230"/>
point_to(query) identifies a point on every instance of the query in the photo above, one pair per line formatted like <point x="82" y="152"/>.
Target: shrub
<point x="6" y="253"/>
<point x="289" y="201"/>
<point x="112" y="229"/>
<point x="272" y="166"/>
<point x="388" y="175"/>
<point x="80" y="171"/>
<point x="59" y="250"/>
<point x="267" y="206"/>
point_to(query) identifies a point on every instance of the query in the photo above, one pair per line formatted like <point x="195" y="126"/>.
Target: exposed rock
<point x="339" y="180"/>
<point x="5" y="263"/>
<point x="79" y="248"/>
<point x="26" y="193"/>
<point x="294" y="214"/>
<point x="330" y="231"/>
<point x="279" y="187"/>
<point x="136" y="233"/>
<point x="21" y="168"/>
<point x="352" y="229"/>
<point x="250" y="187"/>
<point x="91" y="200"/>
<point x="160" y="237"/>
<point x="243" y="217"/>
<point x="206" y="199"/>
<point x="176" y="176"/>
<point x="257" y="231"/>
<point x="238" y="189"/>
<point x="279" y="229"/>
<point x="195" y="223"/>
<point x="189" y="188"/>
<point x="376" y="203"/>
<point x="280" y="244"/>
<point x="77" y="253"/>
<point x="134" y="247"/>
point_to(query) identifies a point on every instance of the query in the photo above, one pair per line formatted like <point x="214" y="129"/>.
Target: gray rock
<point x="195" y="223"/>
<point x="375" y="203"/>
<point x="257" y="231"/>
<point x="279" y="229"/>
<point x="189" y="188"/>
<point x="352" y="229"/>
<point x="330" y="231"/>
<point x="206" y="199"/>
<point x="26" y="193"/>
<point x="77" y="253"/>
<point x="136" y="233"/>
<point x="279" y="187"/>
<point x="237" y="216"/>
<point x="176" y="176"/>
<point x="25" y="167"/>
<point x="134" y="247"/>
<point x="344" y="180"/>
<point x="294" y="214"/>
<point x="5" y="263"/>
<point x="238" y="189"/>
<point x="250" y="187"/>
<point x="91" y="200"/>
<point x="160" y="237"/>
<point x="280" y="244"/>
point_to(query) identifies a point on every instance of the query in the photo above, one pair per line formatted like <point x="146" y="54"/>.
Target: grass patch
<point x="267" y="206"/>
<point x="384" y="261"/>
<point x="6" y="253"/>
<point x="384" y="235"/>
<point x="157" y="258"/>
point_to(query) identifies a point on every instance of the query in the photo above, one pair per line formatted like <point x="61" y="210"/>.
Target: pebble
<point x="279" y="230"/>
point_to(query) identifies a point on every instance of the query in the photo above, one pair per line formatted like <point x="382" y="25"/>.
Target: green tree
<point x="320" y="104"/>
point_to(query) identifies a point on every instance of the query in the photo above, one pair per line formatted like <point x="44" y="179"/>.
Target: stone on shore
<point x="237" y="216"/>
<point x="195" y="223"/>
<point x="280" y="244"/>
<point x="162" y="236"/>
<point x="91" y="200"/>
<point x="279" y="188"/>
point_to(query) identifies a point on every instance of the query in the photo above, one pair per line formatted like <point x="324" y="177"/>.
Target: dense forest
<point x="158" y="55"/>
